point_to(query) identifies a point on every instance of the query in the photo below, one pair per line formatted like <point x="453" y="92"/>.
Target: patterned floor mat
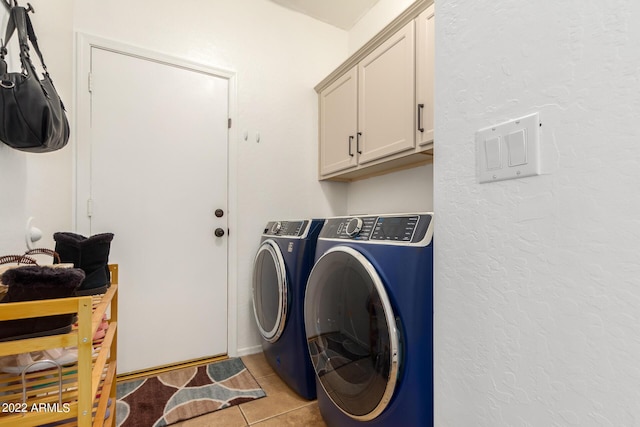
<point x="185" y="393"/>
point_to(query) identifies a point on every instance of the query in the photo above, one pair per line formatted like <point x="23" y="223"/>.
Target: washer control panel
<point x="286" y="228"/>
<point x="409" y="228"/>
<point x="399" y="229"/>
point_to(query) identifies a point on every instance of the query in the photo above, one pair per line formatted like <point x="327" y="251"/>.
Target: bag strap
<point x="19" y="20"/>
<point x="11" y="25"/>
<point x="34" y="40"/>
<point x="11" y="28"/>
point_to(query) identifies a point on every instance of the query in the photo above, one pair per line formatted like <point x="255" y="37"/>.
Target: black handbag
<point x="32" y="116"/>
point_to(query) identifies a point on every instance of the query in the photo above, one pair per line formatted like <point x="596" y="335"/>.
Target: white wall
<point x="39" y="184"/>
<point x="375" y="19"/>
<point x="537" y="280"/>
<point x="410" y="190"/>
<point x="279" y="56"/>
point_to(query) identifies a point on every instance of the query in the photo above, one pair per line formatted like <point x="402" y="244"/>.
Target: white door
<point x="158" y="172"/>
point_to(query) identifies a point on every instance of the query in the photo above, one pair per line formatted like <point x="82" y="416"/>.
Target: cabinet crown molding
<point x="408" y="15"/>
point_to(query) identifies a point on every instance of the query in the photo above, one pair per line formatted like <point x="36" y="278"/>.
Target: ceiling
<point x="340" y="13"/>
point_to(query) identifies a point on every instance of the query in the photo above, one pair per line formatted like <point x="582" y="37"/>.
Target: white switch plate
<point x="518" y="145"/>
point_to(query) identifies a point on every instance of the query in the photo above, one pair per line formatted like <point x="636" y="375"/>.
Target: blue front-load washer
<point x="280" y="271"/>
<point x="369" y="320"/>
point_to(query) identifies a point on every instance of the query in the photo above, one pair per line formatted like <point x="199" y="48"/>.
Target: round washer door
<point x="270" y="291"/>
<point x="351" y="333"/>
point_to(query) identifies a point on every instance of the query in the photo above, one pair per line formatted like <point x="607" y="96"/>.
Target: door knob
<point x="219" y="232"/>
<point x="219" y="213"/>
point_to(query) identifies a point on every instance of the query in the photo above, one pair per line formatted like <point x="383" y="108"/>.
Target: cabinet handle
<point x="420" y="108"/>
<point x="358" y="143"/>
<point x="350" y="139"/>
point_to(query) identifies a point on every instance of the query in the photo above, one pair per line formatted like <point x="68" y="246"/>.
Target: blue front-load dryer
<point x="369" y="320"/>
<point x="280" y="271"/>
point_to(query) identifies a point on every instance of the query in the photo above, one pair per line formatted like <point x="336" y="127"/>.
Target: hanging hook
<point x="7" y="4"/>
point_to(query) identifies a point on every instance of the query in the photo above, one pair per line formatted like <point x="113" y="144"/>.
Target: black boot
<point x="91" y="254"/>
<point x="33" y="283"/>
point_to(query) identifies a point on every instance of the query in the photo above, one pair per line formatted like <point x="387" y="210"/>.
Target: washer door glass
<point x="351" y="333"/>
<point x="270" y="291"/>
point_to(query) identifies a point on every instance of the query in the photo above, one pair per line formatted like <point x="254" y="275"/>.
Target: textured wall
<point x="537" y="280"/>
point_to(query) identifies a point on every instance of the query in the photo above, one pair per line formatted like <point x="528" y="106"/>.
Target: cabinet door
<point x="386" y="97"/>
<point x="338" y="123"/>
<point x="424" y="76"/>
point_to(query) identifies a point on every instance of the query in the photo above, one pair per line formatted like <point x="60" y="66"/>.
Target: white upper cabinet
<point x="338" y="126"/>
<point x="376" y="109"/>
<point x="386" y="93"/>
<point x="425" y="47"/>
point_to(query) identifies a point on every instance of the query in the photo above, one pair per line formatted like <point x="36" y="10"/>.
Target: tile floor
<point x="282" y="407"/>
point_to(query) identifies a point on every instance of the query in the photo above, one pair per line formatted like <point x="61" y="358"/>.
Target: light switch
<point x="517" y="147"/>
<point x="492" y="153"/>
<point x="509" y="150"/>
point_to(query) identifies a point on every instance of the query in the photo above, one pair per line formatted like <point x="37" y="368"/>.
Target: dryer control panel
<point x="396" y="229"/>
<point x="286" y="228"/>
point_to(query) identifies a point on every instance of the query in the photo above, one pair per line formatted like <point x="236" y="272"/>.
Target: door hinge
<point x="229" y="123"/>
<point x="90" y="82"/>
<point x="89" y="208"/>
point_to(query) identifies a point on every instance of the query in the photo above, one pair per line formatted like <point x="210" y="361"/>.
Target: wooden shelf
<point x="87" y="385"/>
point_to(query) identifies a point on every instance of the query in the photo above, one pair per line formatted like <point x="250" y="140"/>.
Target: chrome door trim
<point x="391" y="326"/>
<point x="271" y="247"/>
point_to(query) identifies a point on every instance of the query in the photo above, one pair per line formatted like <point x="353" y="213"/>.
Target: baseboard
<point x="249" y="350"/>
<point x="166" y="368"/>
